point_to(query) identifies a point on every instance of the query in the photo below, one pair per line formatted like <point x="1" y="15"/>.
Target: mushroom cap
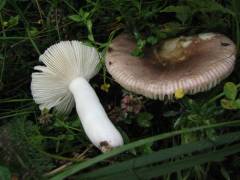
<point x="63" y="62"/>
<point x="211" y="58"/>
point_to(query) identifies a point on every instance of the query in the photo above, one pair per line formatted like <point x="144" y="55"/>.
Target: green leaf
<point x="152" y="40"/>
<point x="89" y="27"/>
<point x="83" y="14"/>
<point x="13" y="21"/>
<point x="138" y="51"/>
<point x="75" y="18"/>
<point x="75" y="123"/>
<point x="228" y="104"/>
<point x="33" y="31"/>
<point x="207" y="6"/>
<point x="237" y="103"/>
<point x="144" y="119"/>
<point x="69" y="137"/>
<point x="146" y="149"/>
<point x="230" y="90"/>
<point x="183" y="13"/>
<point x="170" y="29"/>
<point x="2" y="4"/>
<point x="5" y="174"/>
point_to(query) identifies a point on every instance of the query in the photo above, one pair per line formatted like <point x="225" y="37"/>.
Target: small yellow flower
<point x="179" y="93"/>
<point x="105" y="87"/>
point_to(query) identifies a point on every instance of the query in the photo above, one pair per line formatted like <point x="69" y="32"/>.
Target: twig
<point x="61" y="168"/>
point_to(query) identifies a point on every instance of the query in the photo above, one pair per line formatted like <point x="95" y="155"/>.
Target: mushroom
<point x="192" y="64"/>
<point x="64" y="79"/>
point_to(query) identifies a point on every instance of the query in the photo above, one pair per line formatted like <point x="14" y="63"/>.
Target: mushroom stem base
<point x="93" y="117"/>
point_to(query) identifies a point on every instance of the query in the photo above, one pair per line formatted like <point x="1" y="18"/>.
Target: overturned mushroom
<point x="193" y="64"/>
<point x="64" y="79"/>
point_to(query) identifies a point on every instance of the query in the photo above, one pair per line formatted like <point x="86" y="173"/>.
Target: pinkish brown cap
<point x="193" y="64"/>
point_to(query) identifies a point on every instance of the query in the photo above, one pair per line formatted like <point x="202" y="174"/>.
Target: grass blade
<point x="79" y="166"/>
<point x="162" y="155"/>
<point x="166" y="168"/>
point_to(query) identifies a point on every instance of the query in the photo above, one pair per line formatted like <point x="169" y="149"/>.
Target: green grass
<point x="77" y="167"/>
<point x="43" y="145"/>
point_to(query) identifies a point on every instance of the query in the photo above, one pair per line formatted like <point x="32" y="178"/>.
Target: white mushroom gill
<point x="64" y="79"/>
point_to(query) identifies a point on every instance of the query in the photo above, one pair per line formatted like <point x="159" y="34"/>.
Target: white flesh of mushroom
<point x="206" y="36"/>
<point x="69" y="66"/>
<point x="173" y="50"/>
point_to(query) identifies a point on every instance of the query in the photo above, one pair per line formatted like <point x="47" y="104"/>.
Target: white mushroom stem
<point x="93" y="117"/>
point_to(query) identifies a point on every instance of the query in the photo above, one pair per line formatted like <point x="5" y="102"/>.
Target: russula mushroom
<point x="64" y="79"/>
<point x="193" y="64"/>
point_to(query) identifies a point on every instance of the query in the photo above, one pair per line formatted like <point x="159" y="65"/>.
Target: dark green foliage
<point x="20" y="143"/>
<point x="5" y="174"/>
<point x="197" y="114"/>
<point x="144" y="119"/>
<point x="230" y="101"/>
